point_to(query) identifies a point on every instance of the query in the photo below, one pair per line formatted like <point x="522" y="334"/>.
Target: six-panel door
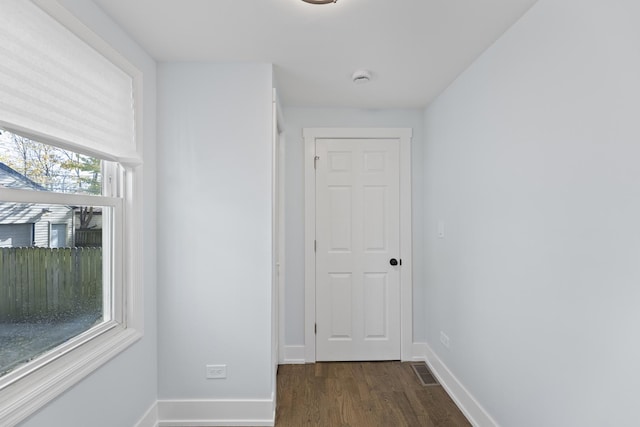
<point x="357" y="234"/>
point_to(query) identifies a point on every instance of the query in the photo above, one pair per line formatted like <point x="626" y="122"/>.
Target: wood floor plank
<point x="361" y="394"/>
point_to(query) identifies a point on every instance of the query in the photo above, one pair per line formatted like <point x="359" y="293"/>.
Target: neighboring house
<point x="28" y="224"/>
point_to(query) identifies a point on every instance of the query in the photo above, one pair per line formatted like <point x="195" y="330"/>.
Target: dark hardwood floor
<point x="361" y="394"/>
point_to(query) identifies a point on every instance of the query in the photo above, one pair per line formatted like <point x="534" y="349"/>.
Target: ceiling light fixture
<point x="319" y="1"/>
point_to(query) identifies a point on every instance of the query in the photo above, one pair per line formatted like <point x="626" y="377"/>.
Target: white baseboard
<point x="150" y="418"/>
<point x="469" y="406"/>
<point x="224" y="412"/>
<point x="293" y="355"/>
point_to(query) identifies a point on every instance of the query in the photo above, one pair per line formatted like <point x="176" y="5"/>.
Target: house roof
<point x="10" y="178"/>
<point x="25" y="213"/>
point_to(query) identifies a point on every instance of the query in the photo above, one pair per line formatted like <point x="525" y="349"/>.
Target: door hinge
<point x="400" y="260"/>
<point x="315" y="245"/>
<point x="315" y="328"/>
<point x="315" y="162"/>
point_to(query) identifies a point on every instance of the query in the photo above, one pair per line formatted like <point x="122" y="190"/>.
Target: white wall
<point x="214" y="238"/>
<point x="532" y="159"/>
<point x="297" y="118"/>
<point x="119" y="393"/>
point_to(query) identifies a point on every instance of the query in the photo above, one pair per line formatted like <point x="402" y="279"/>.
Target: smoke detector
<point x="361" y="76"/>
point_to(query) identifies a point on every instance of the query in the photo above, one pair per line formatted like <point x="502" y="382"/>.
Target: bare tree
<point x="52" y="167"/>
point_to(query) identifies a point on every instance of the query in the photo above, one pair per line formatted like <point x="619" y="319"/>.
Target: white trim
<point x="223" y="412"/>
<point x="282" y="254"/>
<point x="293" y="355"/>
<point x="280" y="124"/>
<point x="50" y="197"/>
<point x="358" y="133"/>
<point x="309" y="248"/>
<point x="150" y="418"/>
<point x="469" y="406"/>
<point x="406" y="286"/>
<point x="42" y="386"/>
<point x="275" y="240"/>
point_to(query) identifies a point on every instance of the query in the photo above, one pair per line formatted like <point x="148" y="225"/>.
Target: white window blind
<point x="54" y="85"/>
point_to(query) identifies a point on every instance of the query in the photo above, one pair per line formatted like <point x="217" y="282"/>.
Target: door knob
<point x="393" y="261"/>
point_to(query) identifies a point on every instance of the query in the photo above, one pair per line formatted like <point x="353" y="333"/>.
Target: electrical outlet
<point x="216" y="371"/>
<point x="444" y="339"/>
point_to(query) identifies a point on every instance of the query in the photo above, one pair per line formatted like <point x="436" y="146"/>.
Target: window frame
<point x="32" y="385"/>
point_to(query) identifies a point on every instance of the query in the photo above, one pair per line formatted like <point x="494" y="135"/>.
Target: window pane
<point x="53" y="288"/>
<point x="30" y="165"/>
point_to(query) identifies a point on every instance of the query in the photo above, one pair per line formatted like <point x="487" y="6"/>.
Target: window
<point x="58" y="294"/>
<point x="58" y="236"/>
<point x="69" y="93"/>
<point x="15" y="235"/>
<point x="52" y="289"/>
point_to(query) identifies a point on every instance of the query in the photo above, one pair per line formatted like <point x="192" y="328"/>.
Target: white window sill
<point x="28" y="394"/>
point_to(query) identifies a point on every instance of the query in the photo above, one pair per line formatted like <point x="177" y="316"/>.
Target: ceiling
<point x="414" y="48"/>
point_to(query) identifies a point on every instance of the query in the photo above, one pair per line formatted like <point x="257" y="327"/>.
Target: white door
<point x="357" y="243"/>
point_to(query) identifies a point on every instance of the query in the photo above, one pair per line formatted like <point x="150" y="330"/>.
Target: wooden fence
<point x="88" y="237"/>
<point x="44" y="283"/>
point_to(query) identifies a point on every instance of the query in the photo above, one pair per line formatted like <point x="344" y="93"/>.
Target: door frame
<point x="403" y="135"/>
<point x="277" y="239"/>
